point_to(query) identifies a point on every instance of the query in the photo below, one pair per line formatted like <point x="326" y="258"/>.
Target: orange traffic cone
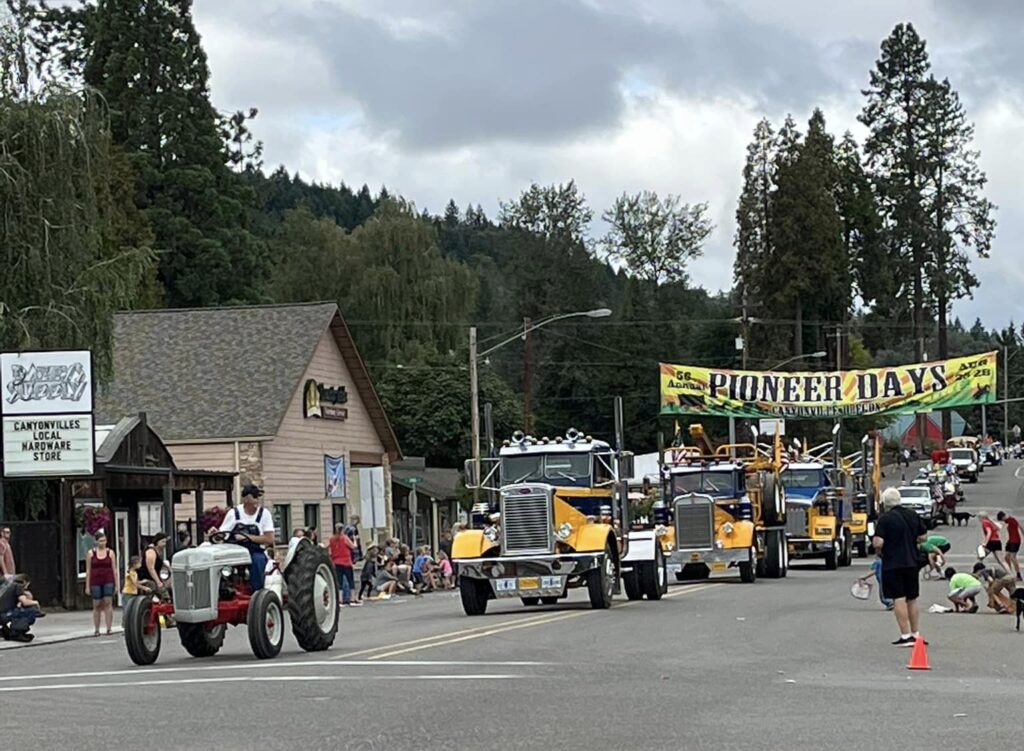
<point x="919" y="656"/>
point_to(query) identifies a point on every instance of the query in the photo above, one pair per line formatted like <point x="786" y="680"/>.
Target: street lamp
<point x="814" y="355"/>
<point x="474" y="391"/>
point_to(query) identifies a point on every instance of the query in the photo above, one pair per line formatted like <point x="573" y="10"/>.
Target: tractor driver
<point x="253" y="520"/>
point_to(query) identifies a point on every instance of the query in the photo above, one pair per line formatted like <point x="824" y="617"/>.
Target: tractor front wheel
<point x="200" y="640"/>
<point x="312" y="597"/>
<point x="143" y="647"/>
<point x="265" y="621"/>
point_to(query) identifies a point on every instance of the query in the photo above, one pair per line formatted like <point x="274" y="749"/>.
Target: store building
<point x="276" y="394"/>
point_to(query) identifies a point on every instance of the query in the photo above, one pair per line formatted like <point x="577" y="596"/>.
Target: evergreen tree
<point x="895" y="114"/>
<point x="145" y="58"/>
<point x="809" y="275"/>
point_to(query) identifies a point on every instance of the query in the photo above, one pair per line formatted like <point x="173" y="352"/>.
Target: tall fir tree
<point x="146" y="60"/>
<point x="895" y="114"/>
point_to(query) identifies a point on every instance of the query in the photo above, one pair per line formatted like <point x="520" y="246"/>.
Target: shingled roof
<point x="212" y="373"/>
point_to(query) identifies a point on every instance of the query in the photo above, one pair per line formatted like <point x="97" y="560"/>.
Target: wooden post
<point x="170" y="528"/>
<point x="197" y="533"/>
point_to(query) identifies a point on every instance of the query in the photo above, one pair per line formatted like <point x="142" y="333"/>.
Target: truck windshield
<point x="964" y="455"/>
<point x="557" y="469"/>
<point x="718" y="484"/>
<point x="803" y="478"/>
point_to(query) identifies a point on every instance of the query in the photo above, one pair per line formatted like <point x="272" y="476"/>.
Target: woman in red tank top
<point x="101" y="581"/>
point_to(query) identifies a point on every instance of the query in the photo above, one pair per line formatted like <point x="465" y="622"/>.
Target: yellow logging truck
<point x="556" y="522"/>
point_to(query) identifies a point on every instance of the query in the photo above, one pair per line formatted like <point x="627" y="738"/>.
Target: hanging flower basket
<point x="94" y="519"/>
<point x="212" y="518"/>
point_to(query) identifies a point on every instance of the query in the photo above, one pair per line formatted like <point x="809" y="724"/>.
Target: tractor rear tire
<point x="775" y="554"/>
<point x="652" y="575"/>
<point x="474" y="595"/>
<point x="748" y="568"/>
<point x="200" y="640"/>
<point x="143" y="648"/>
<point x="601" y="581"/>
<point x="631" y="582"/>
<point x="265" y="621"/>
<point x="312" y="598"/>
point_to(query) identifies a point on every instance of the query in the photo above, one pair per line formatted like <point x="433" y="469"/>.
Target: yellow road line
<point x="448" y="639"/>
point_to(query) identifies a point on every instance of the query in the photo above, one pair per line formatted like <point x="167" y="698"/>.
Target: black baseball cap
<point x="251" y="489"/>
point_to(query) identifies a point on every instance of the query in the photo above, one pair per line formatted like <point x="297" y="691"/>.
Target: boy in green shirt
<point x="963" y="591"/>
<point x="935" y="546"/>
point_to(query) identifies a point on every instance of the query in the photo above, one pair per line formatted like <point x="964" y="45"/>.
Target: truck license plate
<point x="694" y="556"/>
<point x="505" y="585"/>
<point x="718" y="566"/>
<point x="529" y="582"/>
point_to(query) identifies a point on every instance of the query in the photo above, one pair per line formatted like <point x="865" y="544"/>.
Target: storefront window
<point x="282" y="523"/>
<point x="338" y="515"/>
<point x="151" y="521"/>
<point x="84" y="541"/>
<point x="311" y="515"/>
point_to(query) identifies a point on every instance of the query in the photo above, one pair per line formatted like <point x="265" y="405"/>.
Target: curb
<point x="56" y="639"/>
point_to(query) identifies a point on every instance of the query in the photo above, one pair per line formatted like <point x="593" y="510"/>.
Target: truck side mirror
<point x="469" y="468"/>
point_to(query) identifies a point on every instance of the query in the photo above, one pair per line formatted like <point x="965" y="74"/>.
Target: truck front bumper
<point x="716" y="559"/>
<point x="529" y="576"/>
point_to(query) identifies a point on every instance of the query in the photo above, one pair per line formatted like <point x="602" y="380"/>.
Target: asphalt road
<point x="795" y="664"/>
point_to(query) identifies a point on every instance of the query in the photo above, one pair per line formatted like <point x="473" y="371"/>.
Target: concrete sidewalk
<point x="64" y="626"/>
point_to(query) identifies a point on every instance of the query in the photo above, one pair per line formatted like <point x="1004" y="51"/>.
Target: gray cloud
<point x="538" y="70"/>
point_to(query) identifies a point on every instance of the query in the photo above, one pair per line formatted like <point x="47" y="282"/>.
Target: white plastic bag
<point x="982" y="552"/>
<point x="860" y="589"/>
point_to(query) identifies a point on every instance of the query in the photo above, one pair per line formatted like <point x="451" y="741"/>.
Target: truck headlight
<point x="971" y="467"/>
<point x="226" y="572"/>
<point x="563" y="532"/>
<point x="727" y="528"/>
<point x="660" y="531"/>
<point x="491" y="533"/>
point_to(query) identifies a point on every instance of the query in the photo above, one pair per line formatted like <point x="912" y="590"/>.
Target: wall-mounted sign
<point x="48" y="446"/>
<point x="334" y="476"/>
<point x="324" y="401"/>
<point x="45" y="383"/>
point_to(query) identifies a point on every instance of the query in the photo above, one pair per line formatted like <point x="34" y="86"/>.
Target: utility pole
<point x="474" y="416"/>
<point x="744" y="340"/>
<point x="527" y="374"/>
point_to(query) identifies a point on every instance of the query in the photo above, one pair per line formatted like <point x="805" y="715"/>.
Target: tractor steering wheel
<point x="236" y="537"/>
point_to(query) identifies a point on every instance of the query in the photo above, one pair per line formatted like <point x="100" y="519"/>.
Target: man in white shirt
<point x="256" y="527"/>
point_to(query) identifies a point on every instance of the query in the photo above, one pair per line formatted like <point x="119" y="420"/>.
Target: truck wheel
<point x="200" y="640"/>
<point x="748" y="568"/>
<point x="652" y="576"/>
<point x="143" y="647"/>
<point x="530" y="601"/>
<point x="601" y="581"/>
<point x="846" y="556"/>
<point x="474" y="595"/>
<point x="773" y="503"/>
<point x="631" y="583"/>
<point x="265" y="621"/>
<point x="312" y="598"/>
<point x="831" y="558"/>
<point x="775" y="554"/>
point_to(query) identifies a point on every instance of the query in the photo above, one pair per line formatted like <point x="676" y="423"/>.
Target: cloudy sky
<point x="475" y="99"/>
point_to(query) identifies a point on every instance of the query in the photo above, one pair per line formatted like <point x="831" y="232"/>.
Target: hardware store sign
<point x="902" y="389"/>
<point x="47" y="403"/>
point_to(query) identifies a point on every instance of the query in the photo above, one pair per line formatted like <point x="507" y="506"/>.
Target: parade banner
<point x="902" y="389"/>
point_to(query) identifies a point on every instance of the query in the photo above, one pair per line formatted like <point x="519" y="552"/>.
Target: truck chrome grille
<point x="526" y="524"/>
<point x="695" y="523"/>
<point x="796" y="521"/>
<point x="193" y="597"/>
